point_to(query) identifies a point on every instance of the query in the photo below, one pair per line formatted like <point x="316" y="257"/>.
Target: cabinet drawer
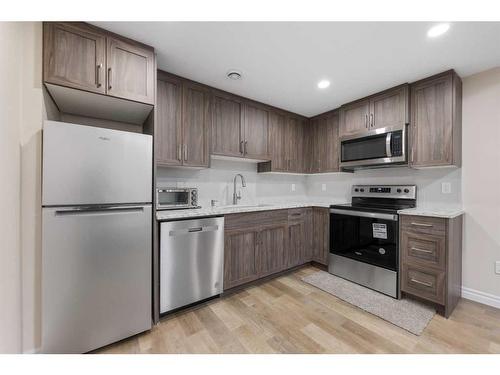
<point x="424" y="224"/>
<point x="423" y="283"/>
<point x="296" y="214"/>
<point x="424" y="249"/>
<point x="255" y="219"/>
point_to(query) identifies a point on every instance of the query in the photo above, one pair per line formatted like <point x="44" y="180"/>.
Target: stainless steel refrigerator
<point x="96" y="236"/>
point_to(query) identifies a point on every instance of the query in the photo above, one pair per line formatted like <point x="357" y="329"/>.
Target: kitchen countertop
<point x="446" y="212"/>
<point x="233" y="209"/>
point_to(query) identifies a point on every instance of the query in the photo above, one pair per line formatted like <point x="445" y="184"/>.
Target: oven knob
<point x="356" y="190"/>
<point x="399" y="190"/>
<point x="406" y="190"/>
<point x="362" y="190"/>
<point x="381" y="251"/>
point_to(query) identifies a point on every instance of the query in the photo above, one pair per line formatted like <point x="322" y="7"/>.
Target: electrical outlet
<point x="323" y="187"/>
<point x="293" y="187"/>
<point x="445" y="187"/>
<point x="497" y="267"/>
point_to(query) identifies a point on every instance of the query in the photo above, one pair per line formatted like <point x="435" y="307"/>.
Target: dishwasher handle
<point x="193" y="230"/>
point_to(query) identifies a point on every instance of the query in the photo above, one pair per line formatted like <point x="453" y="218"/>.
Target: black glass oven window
<point x="372" y="147"/>
<point x="173" y="198"/>
<point x="353" y="237"/>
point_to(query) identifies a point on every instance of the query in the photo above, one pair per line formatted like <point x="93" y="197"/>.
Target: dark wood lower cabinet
<point x="431" y="260"/>
<point x="321" y="235"/>
<point x="259" y="244"/>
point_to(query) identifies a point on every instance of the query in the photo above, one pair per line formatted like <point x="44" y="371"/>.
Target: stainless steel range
<point x="364" y="236"/>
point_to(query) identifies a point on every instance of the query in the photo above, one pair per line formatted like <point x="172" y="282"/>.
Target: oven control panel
<point x="385" y="191"/>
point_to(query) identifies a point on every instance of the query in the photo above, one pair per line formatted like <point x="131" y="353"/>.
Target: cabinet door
<point x="195" y="125"/>
<point x="240" y="251"/>
<point x="309" y="155"/>
<point x="295" y="141"/>
<point x="168" y="137"/>
<point x="390" y="108"/>
<point x="278" y="142"/>
<point x="227" y="137"/>
<point x="74" y="56"/>
<point x="307" y="252"/>
<point x="331" y="140"/>
<point x="321" y="229"/>
<point x="296" y="243"/>
<point x="271" y="254"/>
<point x="130" y="71"/>
<point x="354" y="117"/>
<point x="432" y="122"/>
<point x="256" y="132"/>
<point x="321" y="144"/>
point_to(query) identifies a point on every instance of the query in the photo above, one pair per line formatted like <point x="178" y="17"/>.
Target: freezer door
<point x="90" y="165"/>
<point x="96" y="276"/>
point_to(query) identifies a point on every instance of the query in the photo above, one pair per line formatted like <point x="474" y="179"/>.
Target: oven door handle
<point x="374" y="215"/>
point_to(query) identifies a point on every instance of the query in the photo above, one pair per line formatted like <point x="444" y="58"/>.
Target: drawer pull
<point x="422" y="225"/>
<point x="421" y="250"/>
<point x="421" y="282"/>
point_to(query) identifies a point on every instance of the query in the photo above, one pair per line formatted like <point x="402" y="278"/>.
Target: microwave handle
<point x="388" y="150"/>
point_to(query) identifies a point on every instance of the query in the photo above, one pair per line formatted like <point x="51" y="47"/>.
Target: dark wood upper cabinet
<point x="278" y="142"/>
<point x="168" y="134"/>
<point x="85" y="57"/>
<point x="386" y="109"/>
<point x="74" y="56"/>
<point x="196" y="121"/>
<point x="183" y="122"/>
<point x="256" y="131"/>
<point x="295" y="145"/>
<point x="355" y="117"/>
<point x="389" y="108"/>
<point x="130" y="71"/>
<point x="227" y="127"/>
<point x="324" y="140"/>
<point x="436" y="121"/>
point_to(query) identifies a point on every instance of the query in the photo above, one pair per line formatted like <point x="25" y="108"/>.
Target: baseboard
<point x="481" y="297"/>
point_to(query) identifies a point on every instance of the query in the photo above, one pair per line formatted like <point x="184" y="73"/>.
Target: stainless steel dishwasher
<point x="191" y="261"/>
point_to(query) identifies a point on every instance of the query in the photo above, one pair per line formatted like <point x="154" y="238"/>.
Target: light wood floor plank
<point x="286" y="315"/>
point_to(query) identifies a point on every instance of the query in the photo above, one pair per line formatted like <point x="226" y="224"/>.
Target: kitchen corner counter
<point x="234" y="209"/>
<point x="442" y="212"/>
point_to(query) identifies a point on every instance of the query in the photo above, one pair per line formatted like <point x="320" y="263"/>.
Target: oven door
<point x="376" y="147"/>
<point x="366" y="237"/>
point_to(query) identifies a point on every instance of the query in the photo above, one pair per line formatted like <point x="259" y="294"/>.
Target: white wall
<point x="10" y="175"/>
<point x="217" y="183"/>
<point x="481" y="181"/>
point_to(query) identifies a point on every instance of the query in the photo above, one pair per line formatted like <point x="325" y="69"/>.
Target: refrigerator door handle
<point x="98" y="210"/>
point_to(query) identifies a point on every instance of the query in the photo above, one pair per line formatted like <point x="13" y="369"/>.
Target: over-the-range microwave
<point x="383" y="147"/>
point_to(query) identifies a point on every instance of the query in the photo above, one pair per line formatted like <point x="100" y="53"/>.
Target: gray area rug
<point x="407" y="314"/>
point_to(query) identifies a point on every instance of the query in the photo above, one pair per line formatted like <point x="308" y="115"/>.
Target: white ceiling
<point x="283" y="61"/>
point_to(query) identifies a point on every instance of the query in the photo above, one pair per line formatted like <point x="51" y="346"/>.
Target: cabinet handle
<point x="371" y="119"/>
<point x="422" y="225"/>
<point x="421" y="250"/>
<point x="98" y="75"/>
<point x="421" y="282"/>
<point x="179" y="152"/>
<point x="185" y="153"/>
<point x="366" y="121"/>
<point x="241" y="147"/>
<point x="109" y="79"/>
<point x="245" y="147"/>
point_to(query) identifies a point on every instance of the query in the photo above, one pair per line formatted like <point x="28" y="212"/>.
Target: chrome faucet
<point x="237" y="196"/>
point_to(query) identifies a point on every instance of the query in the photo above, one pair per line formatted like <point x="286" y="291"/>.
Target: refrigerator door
<point x="89" y="165"/>
<point x="96" y="276"/>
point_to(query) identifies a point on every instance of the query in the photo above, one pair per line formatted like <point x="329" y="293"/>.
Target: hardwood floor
<point x="286" y="315"/>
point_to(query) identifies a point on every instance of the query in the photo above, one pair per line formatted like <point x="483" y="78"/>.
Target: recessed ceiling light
<point x="438" y="30"/>
<point x="234" y="75"/>
<point x="323" y="84"/>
